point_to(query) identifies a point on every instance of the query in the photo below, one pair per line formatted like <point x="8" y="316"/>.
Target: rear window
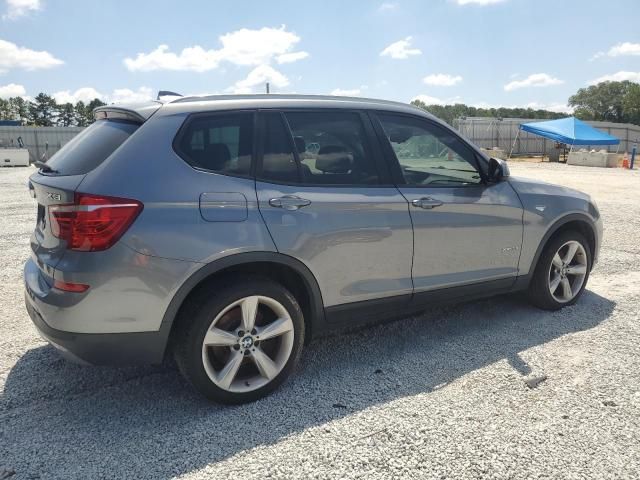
<point x="91" y="147"/>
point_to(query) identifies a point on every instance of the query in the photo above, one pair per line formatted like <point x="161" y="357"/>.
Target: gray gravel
<point x="445" y="395"/>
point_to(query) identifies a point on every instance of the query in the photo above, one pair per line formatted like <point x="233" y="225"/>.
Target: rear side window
<point x="221" y="143"/>
<point x="91" y="147"/>
<point x="332" y="148"/>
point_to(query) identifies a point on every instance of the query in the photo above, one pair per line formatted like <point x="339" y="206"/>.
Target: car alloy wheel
<point x="247" y="344"/>
<point x="567" y="271"/>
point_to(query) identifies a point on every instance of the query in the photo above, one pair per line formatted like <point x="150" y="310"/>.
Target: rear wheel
<point x="241" y="341"/>
<point x="562" y="272"/>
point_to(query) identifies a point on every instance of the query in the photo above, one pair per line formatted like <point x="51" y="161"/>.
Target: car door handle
<point x="426" y="203"/>
<point x="289" y="202"/>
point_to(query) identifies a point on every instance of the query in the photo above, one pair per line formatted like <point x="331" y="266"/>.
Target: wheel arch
<point x="575" y="221"/>
<point x="290" y="272"/>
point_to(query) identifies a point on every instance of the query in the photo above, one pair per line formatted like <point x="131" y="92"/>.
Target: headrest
<point x="334" y="159"/>
<point x="301" y="146"/>
<point x="217" y="155"/>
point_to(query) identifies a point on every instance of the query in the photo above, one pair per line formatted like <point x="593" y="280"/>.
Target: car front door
<point x="466" y="230"/>
<point x="326" y="202"/>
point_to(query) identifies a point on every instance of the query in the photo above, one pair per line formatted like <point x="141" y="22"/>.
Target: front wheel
<point x="562" y="272"/>
<point x="240" y="341"/>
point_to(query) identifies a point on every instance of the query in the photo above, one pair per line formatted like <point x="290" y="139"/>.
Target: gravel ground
<point x="440" y="396"/>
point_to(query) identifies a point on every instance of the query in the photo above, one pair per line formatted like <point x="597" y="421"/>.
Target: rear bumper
<point x="117" y="349"/>
<point x="118" y="321"/>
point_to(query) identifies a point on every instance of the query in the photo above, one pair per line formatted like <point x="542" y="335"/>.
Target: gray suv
<point x="230" y="230"/>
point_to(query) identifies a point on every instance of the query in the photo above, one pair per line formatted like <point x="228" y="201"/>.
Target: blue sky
<point x="479" y="52"/>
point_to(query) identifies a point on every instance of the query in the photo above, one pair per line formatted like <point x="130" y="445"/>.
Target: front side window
<point x="332" y="148"/>
<point x="221" y="143"/>
<point x="429" y="155"/>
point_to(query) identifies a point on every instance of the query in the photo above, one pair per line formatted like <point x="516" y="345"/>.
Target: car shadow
<point x="86" y="422"/>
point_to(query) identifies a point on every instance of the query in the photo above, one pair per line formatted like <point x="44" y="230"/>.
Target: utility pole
<point x="267" y="85"/>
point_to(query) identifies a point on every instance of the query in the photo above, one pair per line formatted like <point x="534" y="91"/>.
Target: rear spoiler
<point x="111" y="112"/>
<point x="133" y="112"/>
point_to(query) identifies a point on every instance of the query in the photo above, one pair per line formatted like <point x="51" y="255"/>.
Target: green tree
<point x="5" y="109"/>
<point x="449" y="113"/>
<point x="84" y="113"/>
<point x="604" y="101"/>
<point x="81" y="116"/>
<point x="43" y="111"/>
<point x="67" y="116"/>
<point x="631" y="104"/>
<point x="20" y="109"/>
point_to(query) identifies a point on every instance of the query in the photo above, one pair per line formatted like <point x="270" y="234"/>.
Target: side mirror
<point x="498" y="169"/>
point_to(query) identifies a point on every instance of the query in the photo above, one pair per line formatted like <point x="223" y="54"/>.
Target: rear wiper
<point x="44" y="167"/>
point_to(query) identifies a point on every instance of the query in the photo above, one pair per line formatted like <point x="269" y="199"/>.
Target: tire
<point x="551" y="271"/>
<point x="258" y="365"/>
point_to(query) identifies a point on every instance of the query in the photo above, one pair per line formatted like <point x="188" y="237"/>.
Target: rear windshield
<point x="91" y="147"/>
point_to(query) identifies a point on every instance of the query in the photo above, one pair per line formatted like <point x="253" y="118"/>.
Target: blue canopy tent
<point x="570" y="131"/>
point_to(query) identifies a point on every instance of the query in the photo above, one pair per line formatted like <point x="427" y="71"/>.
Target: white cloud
<point x="12" y="90"/>
<point x="126" y="95"/>
<point x="257" y="78"/>
<point x="618" y="77"/>
<point x="12" y="56"/>
<point x="442" y="80"/>
<point x="346" y="92"/>
<point x="553" y="107"/>
<point x="388" y="6"/>
<point x="242" y="47"/>
<point x="426" y="99"/>
<point x="85" y="94"/>
<point x="622" y="49"/>
<point x="194" y="58"/>
<point x="619" y="50"/>
<point x="119" y="95"/>
<point x="291" y="57"/>
<point x="597" y="55"/>
<point x="400" y="50"/>
<point x="535" y="80"/>
<point x="478" y="2"/>
<point x="19" y="8"/>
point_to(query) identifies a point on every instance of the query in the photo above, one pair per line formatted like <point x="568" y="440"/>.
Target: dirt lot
<point x="440" y="396"/>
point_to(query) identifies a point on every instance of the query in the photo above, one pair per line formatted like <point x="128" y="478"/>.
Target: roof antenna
<point x="267" y="85"/>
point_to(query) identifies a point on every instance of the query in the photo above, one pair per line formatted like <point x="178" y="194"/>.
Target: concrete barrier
<point x="593" y="159"/>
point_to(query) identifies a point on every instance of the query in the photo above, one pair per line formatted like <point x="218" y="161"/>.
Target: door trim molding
<point x="372" y="311"/>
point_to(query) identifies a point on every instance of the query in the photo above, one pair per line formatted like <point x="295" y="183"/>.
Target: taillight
<point x="93" y="222"/>
<point x="70" y="286"/>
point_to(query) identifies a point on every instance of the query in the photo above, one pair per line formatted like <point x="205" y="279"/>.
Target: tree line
<point x="607" y="101"/>
<point x="44" y="111"/>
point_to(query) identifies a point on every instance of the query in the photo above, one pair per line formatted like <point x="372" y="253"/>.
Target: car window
<point x="221" y="143"/>
<point x="332" y="148"/>
<point x="278" y="160"/>
<point x="91" y="147"/>
<point x="429" y="154"/>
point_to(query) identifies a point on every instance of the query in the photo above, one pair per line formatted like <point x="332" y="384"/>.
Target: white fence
<point x="42" y="142"/>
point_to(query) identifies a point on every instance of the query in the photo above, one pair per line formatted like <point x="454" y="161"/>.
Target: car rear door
<point x="327" y="201"/>
<point x="466" y="231"/>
